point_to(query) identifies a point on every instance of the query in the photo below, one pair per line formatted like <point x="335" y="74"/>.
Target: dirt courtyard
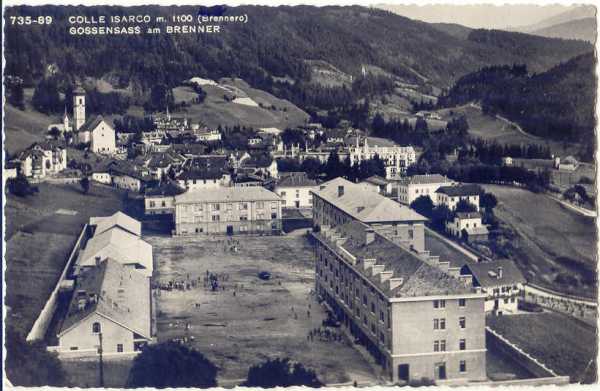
<point x="262" y="319"/>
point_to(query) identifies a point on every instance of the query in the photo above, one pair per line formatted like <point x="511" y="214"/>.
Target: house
<point x="119" y="244"/>
<point x="204" y="172"/>
<point x="261" y="165"/>
<point x="451" y="195"/>
<point x="568" y="164"/>
<point x="99" y="134"/>
<point x="208" y="135"/>
<point x="118" y="219"/>
<point x="378" y="184"/>
<point x="42" y="159"/>
<point x="189" y="150"/>
<point x="501" y="281"/>
<point x="160" y="163"/>
<point x="161" y="199"/>
<point x="467" y="226"/>
<point x="249" y="180"/>
<point x="110" y="309"/>
<point x="128" y="176"/>
<point x="413" y="187"/>
<point x="255" y="140"/>
<point x="294" y="188"/>
<point x="395" y="158"/>
<point x="228" y="210"/>
<point x="339" y="201"/>
<point x="409" y="313"/>
<point x="10" y="170"/>
<point x="335" y="136"/>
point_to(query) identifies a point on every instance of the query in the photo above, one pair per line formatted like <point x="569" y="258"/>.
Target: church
<point x="96" y="131"/>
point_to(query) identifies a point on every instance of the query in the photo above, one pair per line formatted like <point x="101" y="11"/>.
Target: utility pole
<point x="101" y="361"/>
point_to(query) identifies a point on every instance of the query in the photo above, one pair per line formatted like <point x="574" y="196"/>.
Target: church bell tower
<point x="78" y="108"/>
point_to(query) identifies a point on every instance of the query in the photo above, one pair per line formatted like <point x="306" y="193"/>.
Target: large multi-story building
<point x="340" y="201"/>
<point x="41" y="159"/>
<point x="228" y="210"/>
<point x="417" y="319"/>
<point x="395" y="157"/>
<point x="411" y="188"/>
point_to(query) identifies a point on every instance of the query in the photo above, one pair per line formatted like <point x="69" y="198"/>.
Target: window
<point x="273" y="215"/>
<point x="462" y="344"/>
<point x="216" y="207"/>
<point x="283" y="194"/>
<point x="382" y="337"/>
<point x="96" y="327"/>
<point x="442" y="303"/>
<point x="381" y="316"/>
<point x="463" y="366"/>
<point x="216" y="218"/>
<point x="260" y="205"/>
<point x="442" y="324"/>
<point x="163" y="204"/>
<point x="462" y="302"/>
<point x="244" y="218"/>
<point x="152" y="204"/>
<point x="462" y="322"/>
<point x="373" y="308"/>
<point x="439" y="304"/>
<point x="443" y="345"/>
<point x="364" y="299"/>
<point x="74" y="348"/>
<point x="120" y="348"/>
<point x="436" y="346"/>
<point x="436" y="324"/>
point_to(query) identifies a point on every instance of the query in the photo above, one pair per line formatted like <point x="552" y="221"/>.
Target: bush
<point x="281" y="373"/>
<point x="171" y="365"/>
<point x="20" y="186"/>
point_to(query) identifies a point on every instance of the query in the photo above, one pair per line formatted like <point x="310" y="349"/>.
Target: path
<point x="578" y="209"/>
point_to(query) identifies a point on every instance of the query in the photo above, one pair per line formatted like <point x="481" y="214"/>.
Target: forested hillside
<point x="274" y="42"/>
<point x="558" y="104"/>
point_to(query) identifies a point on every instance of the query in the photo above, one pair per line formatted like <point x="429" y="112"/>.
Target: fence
<point x="40" y="326"/>
<point x="576" y="306"/>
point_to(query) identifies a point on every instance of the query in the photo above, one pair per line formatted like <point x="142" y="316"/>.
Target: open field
<point x="553" y="239"/>
<point x="560" y="342"/>
<point x="23" y="128"/>
<point x="39" y="240"/>
<point x="263" y="319"/>
<point x="492" y="129"/>
<point x="216" y="111"/>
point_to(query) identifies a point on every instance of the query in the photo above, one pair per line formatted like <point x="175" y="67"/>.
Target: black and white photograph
<point x="328" y="195"/>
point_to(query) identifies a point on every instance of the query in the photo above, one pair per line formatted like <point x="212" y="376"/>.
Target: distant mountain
<point x="583" y="29"/>
<point x="557" y="104"/>
<point x="274" y="45"/>
<point x="577" y="13"/>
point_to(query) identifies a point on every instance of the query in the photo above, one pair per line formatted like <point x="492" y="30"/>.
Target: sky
<point x="479" y="16"/>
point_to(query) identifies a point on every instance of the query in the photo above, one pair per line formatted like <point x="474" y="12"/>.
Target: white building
<point x="411" y="188"/>
<point x="41" y="159"/>
<point x="451" y="195"/>
<point x="471" y="224"/>
<point x="294" y="188"/>
<point x="100" y="135"/>
<point x="501" y="280"/>
<point x="378" y="184"/>
<point x="396" y="158"/>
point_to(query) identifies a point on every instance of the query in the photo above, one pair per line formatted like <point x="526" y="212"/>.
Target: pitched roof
<point x="92" y="124"/>
<point x="127" y="168"/>
<point x="121" y="295"/>
<point x="376" y="180"/>
<point x="445" y="251"/>
<point x="120" y="245"/>
<point x="481" y="230"/>
<point x="418" y="277"/>
<point x="164" y="190"/>
<point x="468" y="215"/>
<point x="227" y="194"/>
<point x="486" y="273"/>
<point x="118" y="219"/>
<point x="295" y="179"/>
<point x="214" y="173"/>
<point x="363" y="204"/>
<point x="425" y="179"/>
<point x="259" y="160"/>
<point x="189" y="149"/>
<point x="459" y="190"/>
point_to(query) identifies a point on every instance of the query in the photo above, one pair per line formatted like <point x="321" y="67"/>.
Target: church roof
<point x="79" y="91"/>
<point x="91" y="124"/>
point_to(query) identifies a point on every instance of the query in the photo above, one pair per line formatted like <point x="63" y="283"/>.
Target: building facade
<point x="395" y="158"/>
<point x="41" y="159"/>
<point x="411" y="188"/>
<point x="229" y="211"/>
<point x="452" y="195"/>
<point x="294" y="188"/>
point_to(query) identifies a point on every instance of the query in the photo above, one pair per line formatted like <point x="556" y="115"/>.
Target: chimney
<point x="369" y="236"/>
<point x="97" y="261"/>
<point x="499" y="274"/>
<point x="340" y="191"/>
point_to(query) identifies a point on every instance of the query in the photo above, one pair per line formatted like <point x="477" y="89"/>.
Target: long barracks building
<point x="415" y="317"/>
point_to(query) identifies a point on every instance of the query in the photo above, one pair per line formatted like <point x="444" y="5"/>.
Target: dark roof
<point x="261" y="161"/>
<point x="164" y="159"/>
<point x="419" y="278"/>
<point x="486" y="273"/>
<point x="91" y="124"/>
<point x="376" y="180"/>
<point x="459" y="190"/>
<point x="445" y="251"/>
<point x="296" y="179"/>
<point x="208" y="162"/>
<point x="201" y="174"/>
<point x="425" y="179"/>
<point x="165" y="189"/>
<point x="468" y="215"/>
<point x="189" y="149"/>
<point x="126" y="168"/>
